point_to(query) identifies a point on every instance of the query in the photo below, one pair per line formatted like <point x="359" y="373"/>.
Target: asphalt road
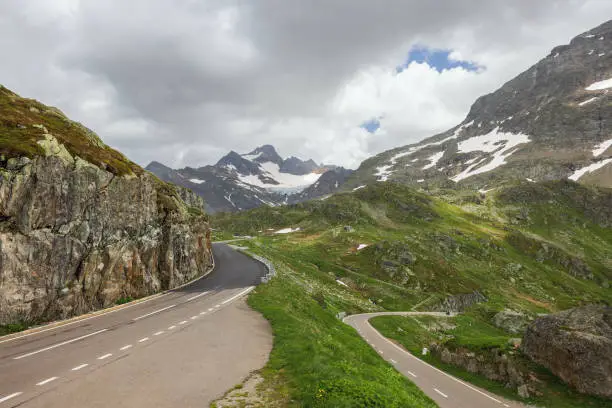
<point x="446" y="390"/>
<point x="180" y="349"/>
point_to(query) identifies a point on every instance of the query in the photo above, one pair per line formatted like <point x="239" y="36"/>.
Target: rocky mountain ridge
<point x="82" y="227"/>
<point x="261" y="177"/>
<point x="551" y="122"/>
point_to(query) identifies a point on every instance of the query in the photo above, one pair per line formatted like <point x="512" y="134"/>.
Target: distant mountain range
<point x="551" y="122"/>
<point x="261" y="177"/>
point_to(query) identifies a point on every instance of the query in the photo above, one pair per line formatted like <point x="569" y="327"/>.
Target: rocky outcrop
<point x="76" y="237"/>
<point x="511" y="321"/>
<point x="576" y="346"/>
<point x="493" y="364"/>
<point x="460" y="302"/>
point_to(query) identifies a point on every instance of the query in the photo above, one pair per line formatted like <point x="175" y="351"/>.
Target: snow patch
<point x="596" y="86"/>
<point x="229" y="199"/>
<point x="591" y="52"/>
<point x="339" y="282"/>
<point x="433" y="160"/>
<point x="287" y="230"/>
<point x="530" y="180"/>
<point x="197" y="181"/>
<point x="286" y="181"/>
<point x="420" y="180"/>
<point x="589" y="36"/>
<point x="602" y="147"/>
<point x="383" y="172"/>
<point x="587" y="101"/>
<point x="361" y="246"/>
<point x="252" y="156"/>
<point x="601" y="54"/>
<point x="358" y="188"/>
<point x="588" y="169"/>
<point x="500" y="144"/>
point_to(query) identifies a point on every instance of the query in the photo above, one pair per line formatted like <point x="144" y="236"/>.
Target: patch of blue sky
<point x="436" y="58"/>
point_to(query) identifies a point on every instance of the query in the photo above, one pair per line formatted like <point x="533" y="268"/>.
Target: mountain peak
<point x="263" y="154"/>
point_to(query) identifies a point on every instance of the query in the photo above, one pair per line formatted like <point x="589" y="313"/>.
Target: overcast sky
<point x="184" y="82"/>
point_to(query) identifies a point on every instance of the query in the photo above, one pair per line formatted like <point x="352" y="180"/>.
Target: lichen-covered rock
<point x="80" y="225"/>
<point x="511" y="321"/>
<point x="459" y="302"/>
<point x="575" y="345"/>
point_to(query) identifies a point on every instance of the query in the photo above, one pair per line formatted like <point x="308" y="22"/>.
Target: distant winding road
<point x="446" y="390"/>
<point x="180" y="349"/>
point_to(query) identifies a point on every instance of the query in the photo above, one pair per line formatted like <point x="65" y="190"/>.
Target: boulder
<point x="576" y="346"/>
<point x="511" y="321"/>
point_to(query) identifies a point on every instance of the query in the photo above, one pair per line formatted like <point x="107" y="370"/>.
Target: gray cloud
<point x="183" y="82"/>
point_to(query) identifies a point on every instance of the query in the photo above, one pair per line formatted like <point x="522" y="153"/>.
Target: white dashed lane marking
<point x="183" y="322"/>
<point x="143" y="340"/>
<point x="393" y="361"/>
<point x="155" y="312"/>
<point x="441" y="393"/>
<point x="77" y="368"/>
<point x="125" y="347"/>
<point x="194" y="317"/>
<point x="59" y="344"/>
<point x="47" y="381"/>
<point x="8" y="397"/>
<point x="171" y="327"/>
<point x="197" y="296"/>
<point x="104" y="357"/>
<point x="158" y="333"/>
<point x="412" y="374"/>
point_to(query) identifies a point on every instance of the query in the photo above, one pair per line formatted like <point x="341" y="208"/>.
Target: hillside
<point x="261" y="177"/>
<point x="551" y="122"/>
<point x="81" y="226"/>
<point x="528" y="248"/>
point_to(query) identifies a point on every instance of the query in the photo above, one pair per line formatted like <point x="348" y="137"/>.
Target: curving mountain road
<point x="446" y="390"/>
<point x="183" y="348"/>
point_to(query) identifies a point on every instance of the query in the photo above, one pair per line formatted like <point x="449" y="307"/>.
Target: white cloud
<point x="185" y="82"/>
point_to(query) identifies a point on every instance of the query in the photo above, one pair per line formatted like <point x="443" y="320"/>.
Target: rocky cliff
<point x="575" y="345"/>
<point x="80" y="225"/>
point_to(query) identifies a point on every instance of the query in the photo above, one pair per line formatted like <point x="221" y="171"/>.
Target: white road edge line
<point x="143" y="340"/>
<point x="441" y="393"/>
<point x="77" y="368"/>
<point x="158" y="333"/>
<point x="8" y="397"/>
<point x="211" y="309"/>
<point x="197" y="296"/>
<point x="183" y="322"/>
<point x="105" y="356"/>
<point x="47" y="381"/>
<point x="194" y="317"/>
<point x="59" y="345"/>
<point x="393" y="361"/>
<point x="203" y="313"/>
<point x="155" y="312"/>
<point x="153" y="297"/>
<point x="429" y="365"/>
<point x="125" y="347"/>
<point x="250" y="288"/>
<point x="171" y="327"/>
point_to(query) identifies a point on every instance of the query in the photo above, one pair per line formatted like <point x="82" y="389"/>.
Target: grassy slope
<point x="459" y="242"/>
<point x="317" y="360"/>
<point x="19" y="136"/>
